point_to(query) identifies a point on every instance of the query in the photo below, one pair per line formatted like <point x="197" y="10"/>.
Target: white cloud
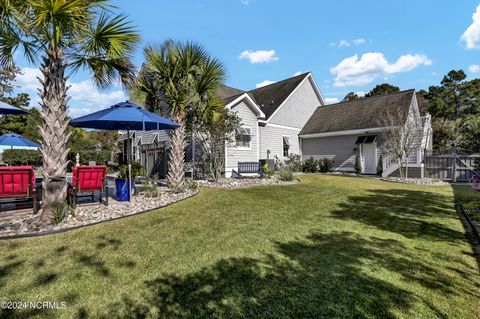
<point x="347" y="43"/>
<point x="264" y="83"/>
<point x="359" y="41"/>
<point x="260" y="56"/>
<point x="474" y="68"/>
<point x="85" y="97"/>
<point x="355" y="71"/>
<point x="28" y="79"/>
<point x="245" y="2"/>
<point x="297" y="73"/>
<point x="331" y="100"/>
<point x="80" y="112"/>
<point x="471" y="36"/>
<point x="360" y="93"/>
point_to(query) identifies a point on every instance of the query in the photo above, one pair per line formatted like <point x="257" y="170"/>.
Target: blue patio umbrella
<point x="124" y="116"/>
<point x="11" y="139"/>
<point x="9" y="109"/>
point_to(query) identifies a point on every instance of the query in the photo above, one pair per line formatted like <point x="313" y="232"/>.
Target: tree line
<point x="454" y="106"/>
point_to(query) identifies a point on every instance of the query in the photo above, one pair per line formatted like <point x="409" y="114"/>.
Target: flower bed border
<point x="461" y="211"/>
<point x="63" y="230"/>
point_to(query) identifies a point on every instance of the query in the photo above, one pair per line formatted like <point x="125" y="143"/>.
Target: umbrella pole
<point x="129" y="166"/>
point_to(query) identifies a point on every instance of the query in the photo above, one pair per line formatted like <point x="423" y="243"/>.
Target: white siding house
<point x="347" y="131"/>
<point x="271" y="118"/>
<point x="280" y="110"/>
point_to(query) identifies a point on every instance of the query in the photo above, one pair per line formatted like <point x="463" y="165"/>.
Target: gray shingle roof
<point x="268" y="97"/>
<point x="225" y="92"/>
<point x="358" y="114"/>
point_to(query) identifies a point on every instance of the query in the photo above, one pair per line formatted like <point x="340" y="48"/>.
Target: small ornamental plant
<point x="267" y="171"/>
<point x="358" y="165"/>
<point x="286" y="174"/>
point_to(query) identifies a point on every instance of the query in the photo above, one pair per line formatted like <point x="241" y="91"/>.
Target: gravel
<point x="416" y="181"/>
<point x="84" y="215"/>
<point x="235" y="183"/>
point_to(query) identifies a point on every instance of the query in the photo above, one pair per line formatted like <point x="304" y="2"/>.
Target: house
<point x="271" y="120"/>
<point x="347" y="130"/>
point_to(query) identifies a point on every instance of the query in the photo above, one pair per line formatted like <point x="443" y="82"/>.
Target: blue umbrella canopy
<point x="11" y="139"/>
<point x="124" y="116"/>
<point x="9" y="109"/>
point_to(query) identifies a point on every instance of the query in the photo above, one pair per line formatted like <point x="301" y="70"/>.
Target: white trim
<point x="249" y="99"/>
<point x="258" y="143"/>
<point x="348" y="132"/>
<point x="289" y="146"/>
<point x="279" y="126"/>
<point x="242" y="148"/>
<point x="315" y="88"/>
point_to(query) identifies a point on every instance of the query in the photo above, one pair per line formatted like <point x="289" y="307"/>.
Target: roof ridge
<point x="368" y="98"/>
<point x="231" y="87"/>
<point x="281" y="81"/>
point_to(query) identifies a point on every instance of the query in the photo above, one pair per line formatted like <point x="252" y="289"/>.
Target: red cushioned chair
<point x="18" y="183"/>
<point x="88" y="179"/>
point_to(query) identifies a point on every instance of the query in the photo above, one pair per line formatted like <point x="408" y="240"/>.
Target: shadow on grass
<point x="463" y="194"/>
<point x="411" y="213"/>
<point x="318" y="277"/>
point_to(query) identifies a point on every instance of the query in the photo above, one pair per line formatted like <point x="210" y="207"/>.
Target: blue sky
<point x="349" y="45"/>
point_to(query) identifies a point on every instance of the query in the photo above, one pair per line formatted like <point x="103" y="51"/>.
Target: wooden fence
<point x="446" y="167"/>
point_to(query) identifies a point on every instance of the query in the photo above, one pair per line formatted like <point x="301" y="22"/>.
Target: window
<point x="286" y="146"/>
<point x="243" y="137"/>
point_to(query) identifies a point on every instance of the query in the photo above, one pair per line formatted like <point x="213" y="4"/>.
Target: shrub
<point x="191" y="184"/>
<point x="325" y="165"/>
<point x="380" y="165"/>
<point x="60" y="210"/>
<point x="150" y="188"/>
<point x="267" y="171"/>
<point x="286" y="174"/>
<point x="294" y="163"/>
<point x="358" y="165"/>
<point x="310" y="166"/>
<point x="22" y="157"/>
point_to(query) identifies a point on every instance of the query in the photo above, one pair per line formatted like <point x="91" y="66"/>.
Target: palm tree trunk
<point x="54" y="133"/>
<point x="176" y="175"/>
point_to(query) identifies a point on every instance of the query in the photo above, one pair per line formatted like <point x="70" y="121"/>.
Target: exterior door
<point x="369" y="155"/>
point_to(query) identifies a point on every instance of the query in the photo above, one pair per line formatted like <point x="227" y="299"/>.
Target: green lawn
<point x="327" y="247"/>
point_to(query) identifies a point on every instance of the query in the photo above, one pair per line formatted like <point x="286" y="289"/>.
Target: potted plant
<point x="121" y="184"/>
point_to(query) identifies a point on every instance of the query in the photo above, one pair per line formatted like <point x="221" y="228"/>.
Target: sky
<point x="348" y="45"/>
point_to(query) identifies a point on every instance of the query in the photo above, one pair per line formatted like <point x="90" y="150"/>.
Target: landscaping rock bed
<point x="233" y="183"/>
<point x="85" y="215"/>
<point x="416" y="181"/>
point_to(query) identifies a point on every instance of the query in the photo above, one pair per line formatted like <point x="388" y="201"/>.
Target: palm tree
<point x="180" y="80"/>
<point x="67" y="35"/>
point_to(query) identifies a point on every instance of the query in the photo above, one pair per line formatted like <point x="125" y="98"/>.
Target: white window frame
<point x="243" y="148"/>
<point x="289" y="146"/>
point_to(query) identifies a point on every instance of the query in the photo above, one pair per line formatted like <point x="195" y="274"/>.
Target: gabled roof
<point x="268" y="98"/>
<point x="225" y="92"/>
<point x="358" y="114"/>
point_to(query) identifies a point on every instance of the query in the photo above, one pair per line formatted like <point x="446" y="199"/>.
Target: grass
<point x="327" y="247"/>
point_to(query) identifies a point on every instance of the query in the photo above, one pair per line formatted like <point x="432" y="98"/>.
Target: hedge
<point x="22" y="157"/>
<point x="34" y="157"/>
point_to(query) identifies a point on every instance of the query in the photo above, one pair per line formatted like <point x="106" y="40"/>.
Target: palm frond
<point x="107" y="51"/>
